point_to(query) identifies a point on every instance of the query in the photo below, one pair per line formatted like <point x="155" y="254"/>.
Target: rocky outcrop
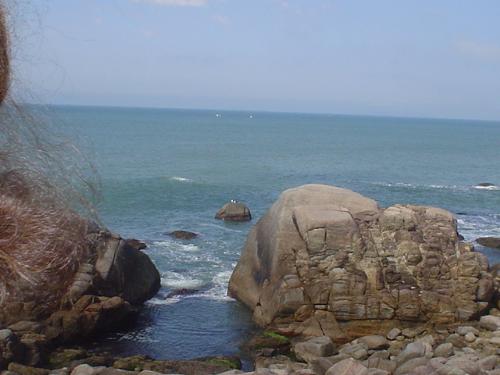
<point x="121" y="270"/>
<point x="323" y="255"/>
<point x="234" y="211"/>
<point x="491" y="242"/>
<point x="114" y="267"/>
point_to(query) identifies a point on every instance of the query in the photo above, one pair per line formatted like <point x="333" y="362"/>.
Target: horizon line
<point x="409" y="117"/>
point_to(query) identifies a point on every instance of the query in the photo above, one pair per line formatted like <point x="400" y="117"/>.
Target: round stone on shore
<point x="470" y="337"/>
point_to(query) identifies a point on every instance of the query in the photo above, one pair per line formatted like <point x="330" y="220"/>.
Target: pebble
<point x="393" y="333"/>
<point x="470" y="337"/>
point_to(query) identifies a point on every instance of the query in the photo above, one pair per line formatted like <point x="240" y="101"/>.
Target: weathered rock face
<point x="323" y="255"/>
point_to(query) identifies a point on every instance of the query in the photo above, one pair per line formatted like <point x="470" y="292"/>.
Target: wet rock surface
<point x="183" y="235"/>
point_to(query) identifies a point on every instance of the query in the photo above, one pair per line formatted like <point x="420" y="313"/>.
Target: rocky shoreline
<point x="472" y="348"/>
<point x="338" y="285"/>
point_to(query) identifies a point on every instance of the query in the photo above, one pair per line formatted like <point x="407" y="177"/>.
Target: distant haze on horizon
<point x="416" y="58"/>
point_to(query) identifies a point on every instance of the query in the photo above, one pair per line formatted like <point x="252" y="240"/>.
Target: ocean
<point x="167" y="169"/>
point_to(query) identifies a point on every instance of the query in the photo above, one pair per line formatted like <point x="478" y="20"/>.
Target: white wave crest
<point x="188" y="247"/>
<point x="181" y="179"/>
<point x="487" y="187"/>
<point x="163" y="301"/>
<point x="176" y="280"/>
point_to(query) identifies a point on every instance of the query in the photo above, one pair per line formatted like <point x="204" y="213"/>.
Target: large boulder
<point x="123" y="270"/>
<point x="323" y="255"/>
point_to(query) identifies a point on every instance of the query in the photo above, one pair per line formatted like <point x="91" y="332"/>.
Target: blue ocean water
<point x="164" y="170"/>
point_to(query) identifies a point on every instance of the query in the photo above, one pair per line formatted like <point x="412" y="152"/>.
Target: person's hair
<point x="4" y="56"/>
<point x="43" y="203"/>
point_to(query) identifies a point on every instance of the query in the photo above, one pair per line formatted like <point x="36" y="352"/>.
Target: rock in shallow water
<point x="491" y="242"/>
<point x="183" y="235"/>
<point x="323" y="255"/>
<point x="234" y="211"/>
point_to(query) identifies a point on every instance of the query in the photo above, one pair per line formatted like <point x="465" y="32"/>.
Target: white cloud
<point x="178" y="3"/>
<point x="479" y="50"/>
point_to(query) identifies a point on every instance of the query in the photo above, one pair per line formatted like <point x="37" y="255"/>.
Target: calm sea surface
<point x="164" y="170"/>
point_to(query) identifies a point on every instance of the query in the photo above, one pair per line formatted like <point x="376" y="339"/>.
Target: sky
<point x="423" y="58"/>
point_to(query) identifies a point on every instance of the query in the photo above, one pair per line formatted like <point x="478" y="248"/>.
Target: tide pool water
<point x="165" y="170"/>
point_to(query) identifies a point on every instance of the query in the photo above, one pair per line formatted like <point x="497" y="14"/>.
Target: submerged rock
<point x="324" y="257"/>
<point x="181" y="292"/>
<point x="183" y="235"/>
<point x="491" y="242"/>
<point x="234" y="211"/>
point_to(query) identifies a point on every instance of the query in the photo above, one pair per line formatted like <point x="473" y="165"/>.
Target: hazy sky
<point x="396" y="57"/>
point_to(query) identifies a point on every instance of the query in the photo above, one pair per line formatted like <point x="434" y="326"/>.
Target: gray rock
<point x="313" y="348"/>
<point x="444" y="350"/>
<point x="411" y="364"/>
<point x="470" y="337"/>
<point x="374" y="342"/>
<point x="490" y="322"/>
<point x="382" y="364"/>
<point x="427" y="339"/>
<point x="449" y="370"/>
<point x="5" y="334"/>
<point x="86" y="370"/>
<point x="321" y="365"/>
<point x="347" y="367"/>
<point x="263" y="371"/>
<point x="382" y="354"/>
<point x="469" y="366"/>
<point x="376" y="371"/>
<point x="393" y="333"/>
<point x="457" y="340"/>
<point x="356" y="351"/>
<point x="463" y="330"/>
<point x="412" y="350"/>
<point x="489" y="363"/>
<point x="409" y="333"/>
